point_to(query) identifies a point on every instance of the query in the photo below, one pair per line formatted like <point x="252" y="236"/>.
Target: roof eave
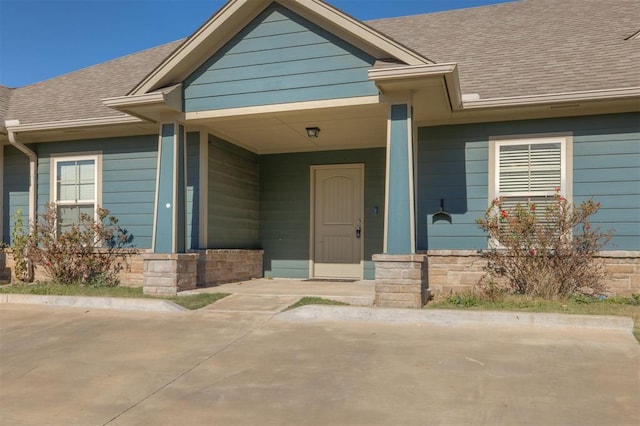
<point x="386" y="78"/>
<point x="149" y="106"/>
<point x="17" y="127"/>
<point x="555" y="98"/>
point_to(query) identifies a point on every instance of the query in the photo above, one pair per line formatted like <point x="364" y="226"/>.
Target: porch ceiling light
<point x="313" y="132"/>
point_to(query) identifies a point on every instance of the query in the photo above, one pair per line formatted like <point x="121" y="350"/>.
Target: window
<point x="75" y="188"/>
<point x="530" y="169"/>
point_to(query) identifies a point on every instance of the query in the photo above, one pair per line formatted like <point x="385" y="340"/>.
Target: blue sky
<point x="41" y="39"/>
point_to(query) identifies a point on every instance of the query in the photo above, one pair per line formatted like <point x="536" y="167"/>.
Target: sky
<point x="41" y="39"/>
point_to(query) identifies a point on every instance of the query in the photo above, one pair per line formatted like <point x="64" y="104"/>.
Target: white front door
<point x="337" y="229"/>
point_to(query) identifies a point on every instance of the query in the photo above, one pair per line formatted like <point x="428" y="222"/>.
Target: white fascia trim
<point x="171" y="96"/>
<point x="411" y="71"/>
<point x="551" y="98"/>
<point x="360" y="30"/>
<point x="198" y="37"/>
<point x="286" y="107"/>
<point x="250" y="8"/>
<point x="70" y="124"/>
<point x="449" y="71"/>
<point x="134" y="100"/>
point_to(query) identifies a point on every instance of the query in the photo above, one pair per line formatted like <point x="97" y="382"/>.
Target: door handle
<point x="359" y="229"/>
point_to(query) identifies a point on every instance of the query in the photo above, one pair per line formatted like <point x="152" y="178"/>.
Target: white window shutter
<point x="529" y="169"/>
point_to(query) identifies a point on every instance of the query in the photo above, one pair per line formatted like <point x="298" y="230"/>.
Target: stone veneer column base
<point x="218" y="266"/>
<point x="623" y="271"/>
<point x="457" y="271"/>
<point x="167" y="274"/>
<point x="401" y="280"/>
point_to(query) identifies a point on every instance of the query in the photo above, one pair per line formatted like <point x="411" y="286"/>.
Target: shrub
<point x="92" y="252"/>
<point x="20" y="242"/>
<point x="545" y="252"/>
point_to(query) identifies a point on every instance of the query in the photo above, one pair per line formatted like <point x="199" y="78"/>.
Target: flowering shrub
<point x="92" y="252"/>
<point x="545" y="251"/>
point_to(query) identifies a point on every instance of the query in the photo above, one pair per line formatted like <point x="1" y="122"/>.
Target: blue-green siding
<point x="285" y="203"/>
<point x="129" y="166"/>
<point x="399" y="220"/>
<point x="16" y="189"/>
<point x="279" y="57"/>
<point x="232" y="196"/>
<point x="128" y="178"/>
<point x="453" y="165"/>
<point x="166" y="202"/>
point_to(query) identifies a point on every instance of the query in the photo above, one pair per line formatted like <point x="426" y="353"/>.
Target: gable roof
<point x="530" y="47"/>
<point x="522" y="48"/>
<point x="236" y="14"/>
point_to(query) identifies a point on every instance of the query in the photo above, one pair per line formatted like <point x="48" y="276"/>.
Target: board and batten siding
<point x="279" y="57"/>
<point x="16" y="189"/>
<point x="232" y="196"/>
<point x="453" y="166"/>
<point x="285" y="203"/>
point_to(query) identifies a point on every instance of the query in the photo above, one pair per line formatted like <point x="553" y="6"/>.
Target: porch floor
<point x="358" y="293"/>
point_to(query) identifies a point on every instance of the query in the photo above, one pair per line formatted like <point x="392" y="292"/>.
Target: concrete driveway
<point x="71" y="366"/>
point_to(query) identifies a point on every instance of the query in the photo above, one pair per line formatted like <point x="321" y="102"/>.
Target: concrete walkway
<point x="260" y="296"/>
<point x="273" y="295"/>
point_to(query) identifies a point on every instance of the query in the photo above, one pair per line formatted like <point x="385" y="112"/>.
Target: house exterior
<point x="205" y="147"/>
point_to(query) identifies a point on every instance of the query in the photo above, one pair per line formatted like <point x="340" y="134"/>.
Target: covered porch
<point x="296" y="137"/>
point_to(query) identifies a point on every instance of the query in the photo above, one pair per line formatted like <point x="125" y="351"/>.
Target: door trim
<point x="312" y="211"/>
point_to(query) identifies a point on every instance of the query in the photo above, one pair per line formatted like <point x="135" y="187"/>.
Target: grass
<point x="583" y="305"/>
<point x="315" y="301"/>
<point x="192" y="302"/>
<point x="197" y="301"/>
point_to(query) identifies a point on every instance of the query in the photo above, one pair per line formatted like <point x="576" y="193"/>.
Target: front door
<point x="337" y="228"/>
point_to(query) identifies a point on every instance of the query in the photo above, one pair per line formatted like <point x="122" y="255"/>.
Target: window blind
<point x="530" y="169"/>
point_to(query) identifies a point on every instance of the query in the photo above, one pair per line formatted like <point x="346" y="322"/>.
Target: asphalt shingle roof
<point x="530" y="47"/>
<point x="5" y="94"/>
<point x="526" y="47"/>
<point x="78" y="95"/>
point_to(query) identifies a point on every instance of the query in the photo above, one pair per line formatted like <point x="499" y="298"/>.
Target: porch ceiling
<point x="342" y="127"/>
<point x="352" y="127"/>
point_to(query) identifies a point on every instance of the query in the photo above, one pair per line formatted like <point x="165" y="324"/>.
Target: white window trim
<point x="566" y="163"/>
<point x="566" y="159"/>
<point x="60" y="158"/>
